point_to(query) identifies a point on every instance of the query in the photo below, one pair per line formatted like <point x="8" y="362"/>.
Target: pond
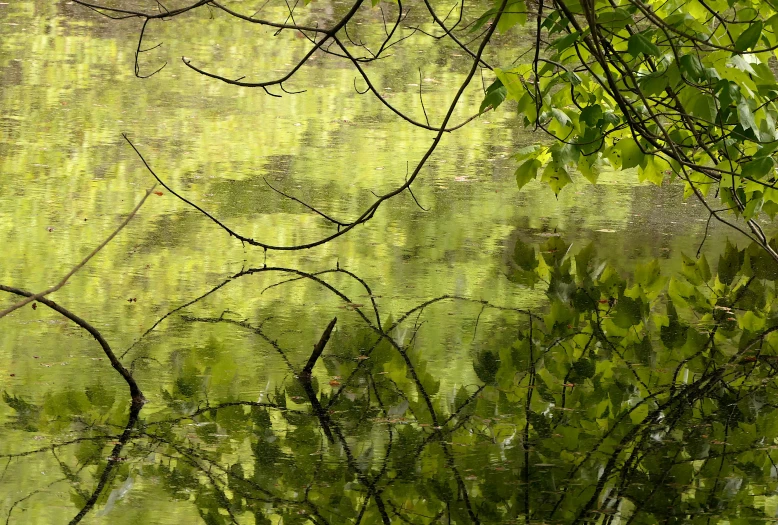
<point x="489" y="355"/>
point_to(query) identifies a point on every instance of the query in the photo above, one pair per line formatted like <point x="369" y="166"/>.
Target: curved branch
<point x="368" y="213"/>
<point x="330" y="33"/>
<point x="135" y="392"/>
<point x="113" y="460"/>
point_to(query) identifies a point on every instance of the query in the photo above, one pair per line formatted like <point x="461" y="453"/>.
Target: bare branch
<point x="327" y="217"/>
<point x="368" y="213"/>
<point x="135" y="392"/>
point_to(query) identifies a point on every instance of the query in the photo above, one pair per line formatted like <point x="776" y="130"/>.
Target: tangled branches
<point x="336" y="42"/>
<point x="673" y="90"/>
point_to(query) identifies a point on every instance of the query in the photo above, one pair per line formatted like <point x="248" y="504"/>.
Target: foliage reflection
<point x="637" y="399"/>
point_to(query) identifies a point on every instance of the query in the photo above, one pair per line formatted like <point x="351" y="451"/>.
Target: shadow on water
<point x="638" y="399"/>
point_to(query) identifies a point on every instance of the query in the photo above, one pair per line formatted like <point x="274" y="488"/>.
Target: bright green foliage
<point x="495" y="95"/>
<point x="674" y="89"/>
<point x="650" y="383"/>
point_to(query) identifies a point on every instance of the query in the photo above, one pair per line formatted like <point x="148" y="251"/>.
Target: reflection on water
<point x="487" y="364"/>
<point x="638" y="400"/>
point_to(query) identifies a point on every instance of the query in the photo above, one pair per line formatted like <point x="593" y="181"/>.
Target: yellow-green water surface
<point x="67" y="178"/>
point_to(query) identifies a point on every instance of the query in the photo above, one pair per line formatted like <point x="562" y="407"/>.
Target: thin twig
<point x="421" y="99"/>
<point x="318" y="349"/>
<point x="39" y="295"/>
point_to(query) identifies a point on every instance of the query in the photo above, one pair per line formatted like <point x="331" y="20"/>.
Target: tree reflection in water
<point x="624" y="400"/>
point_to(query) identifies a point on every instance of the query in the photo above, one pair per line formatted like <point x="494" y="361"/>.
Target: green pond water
<point x="505" y="357"/>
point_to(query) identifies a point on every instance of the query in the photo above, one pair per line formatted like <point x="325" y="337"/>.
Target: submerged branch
<point x="317" y="350"/>
<point x="113" y="459"/>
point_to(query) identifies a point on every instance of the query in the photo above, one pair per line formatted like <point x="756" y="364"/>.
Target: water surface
<point x="430" y="420"/>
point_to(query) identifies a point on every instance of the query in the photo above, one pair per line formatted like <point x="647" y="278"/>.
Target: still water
<point x="504" y="357"/>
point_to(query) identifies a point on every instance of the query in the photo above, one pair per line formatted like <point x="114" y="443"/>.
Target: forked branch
<point x="368" y="213"/>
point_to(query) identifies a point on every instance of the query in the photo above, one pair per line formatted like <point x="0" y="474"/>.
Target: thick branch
<point x="317" y="350"/>
<point x="135" y="392"/>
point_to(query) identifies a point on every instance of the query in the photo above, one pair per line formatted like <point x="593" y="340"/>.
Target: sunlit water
<point x="67" y="177"/>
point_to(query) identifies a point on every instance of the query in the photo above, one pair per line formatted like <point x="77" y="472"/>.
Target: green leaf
<point x="696" y="272"/>
<point x="749" y="37"/>
<point x="524" y="256"/>
<point x="615" y="19"/>
<point x="704" y="107"/>
<point x="638" y="414"/>
<point x="551" y="22"/>
<point x="741" y="64"/>
<point x="772" y="22"/>
<point x="728" y="93"/>
<point x="649" y="278"/>
<point x="652" y="170"/>
<point x="526" y="152"/>
<point x="561" y="117"/>
<point x="751" y="322"/>
<point x="526" y="106"/>
<point x="540" y="425"/>
<point x="631" y="156"/>
<point x="653" y="84"/>
<point x="554" y="251"/>
<point x="526" y="172"/>
<point x="704" y="268"/>
<point x="584" y="260"/>
<point x="628" y="312"/>
<point x="640" y="43"/>
<point x="691" y="67"/>
<point x="556" y="177"/>
<point x="570" y="437"/>
<point x="514" y="13"/>
<point x="512" y="80"/>
<point x="611" y="118"/>
<point x="767" y="149"/>
<point x="495" y="95"/>
<point x="479" y="23"/>
<point x="584" y="368"/>
<point x="591" y="166"/>
<point x="762" y="265"/>
<point x="572" y="78"/>
<point x="673" y="335"/>
<point x="563" y="43"/>
<point x="758" y="168"/>
<point x="486" y="366"/>
<point x="564" y="154"/>
<point x="591" y="115"/>
<point x="745" y="116"/>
